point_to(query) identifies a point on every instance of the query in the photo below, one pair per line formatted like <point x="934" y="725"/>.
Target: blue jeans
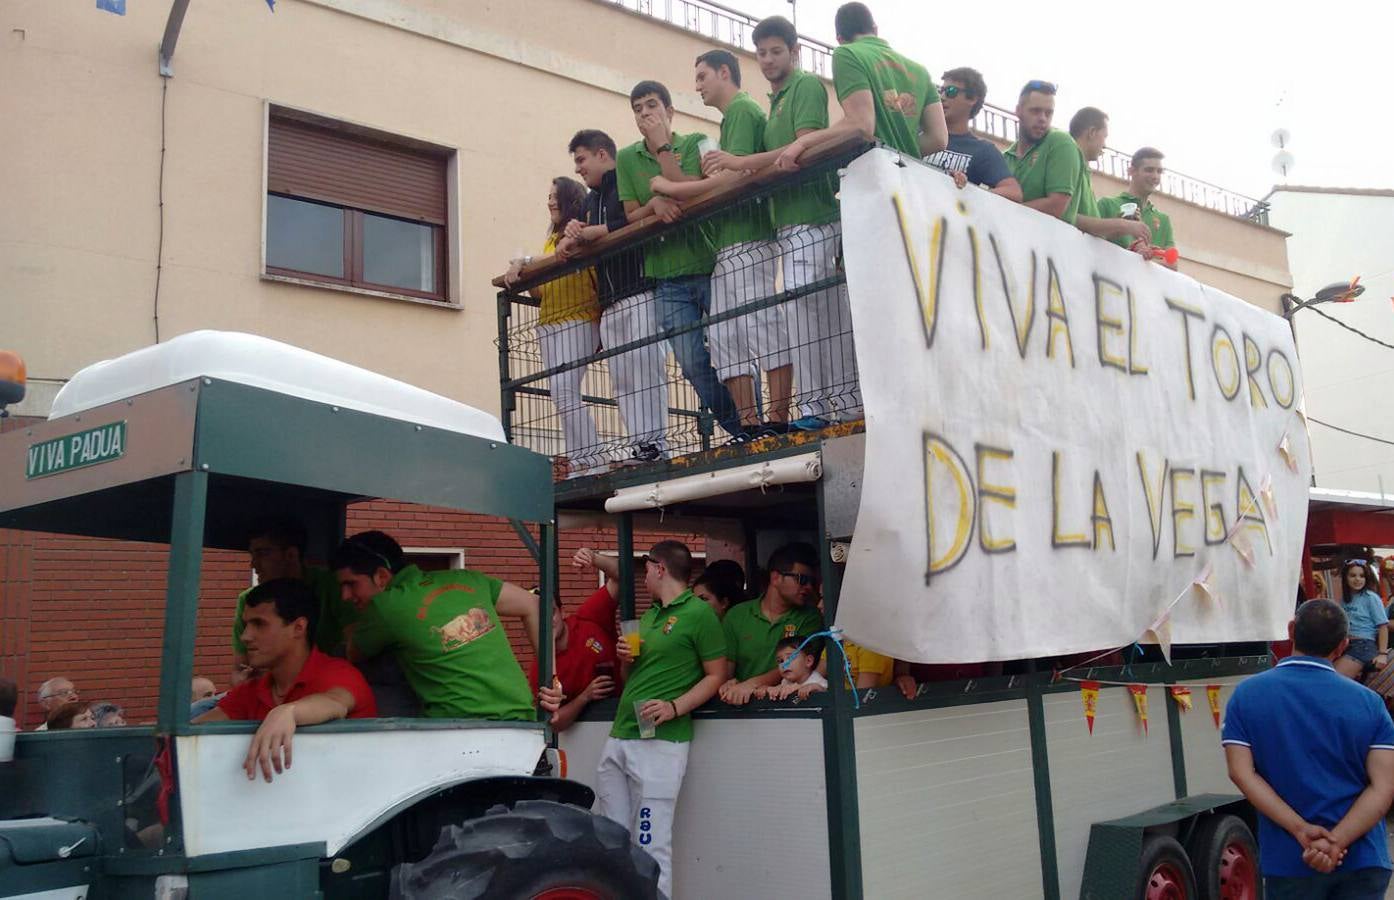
<point x="682" y="301"/>
<point x="1359" y="884"/>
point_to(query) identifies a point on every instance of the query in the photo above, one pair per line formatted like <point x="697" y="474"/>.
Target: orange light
<point x="11" y="367"/>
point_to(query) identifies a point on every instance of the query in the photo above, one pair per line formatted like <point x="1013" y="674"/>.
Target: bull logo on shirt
<point x="463" y="629"/>
<point x="901" y="101"/>
<point x="668" y="626"/>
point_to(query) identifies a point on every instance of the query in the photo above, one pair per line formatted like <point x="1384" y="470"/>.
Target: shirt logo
<point x="435" y="595"/>
<point x="896" y="100"/>
<point x="668" y="626"/>
<point x="594" y="646"/>
<point x="790" y="630"/>
<point x="463" y="629"/>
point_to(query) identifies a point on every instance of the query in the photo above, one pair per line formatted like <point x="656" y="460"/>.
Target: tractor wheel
<point x="538" y="850"/>
<point x="1225" y="856"/>
<point x="1165" y="872"/>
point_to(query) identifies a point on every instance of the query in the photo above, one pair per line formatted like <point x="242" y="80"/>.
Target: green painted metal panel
<point x="624" y="537"/>
<point x="265" y="435"/>
<point x="1045" y="808"/>
<point x="1178" y="750"/>
<point x="181" y="601"/>
<point x="1115" y="847"/>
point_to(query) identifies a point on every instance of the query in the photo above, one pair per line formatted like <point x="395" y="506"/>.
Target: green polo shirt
<point x="1051" y="166"/>
<point x="743" y="133"/>
<point x="334" y="613"/>
<point x="800" y="105"/>
<point x="1088" y="205"/>
<point x="687" y="251"/>
<point x="676" y="640"/>
<point x="445" y="633"/>
<point x="1157" y="222"/>
<point x="751" y="638"/>
<point x="900" y="89"/>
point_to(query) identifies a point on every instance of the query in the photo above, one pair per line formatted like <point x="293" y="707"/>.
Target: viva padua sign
<point x="76" y="451"/>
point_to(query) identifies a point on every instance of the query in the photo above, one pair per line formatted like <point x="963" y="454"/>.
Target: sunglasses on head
<point x="369" y="550"/>
<point x="803" y="580"/>
<point x="1045" y="87"/>
<point x="1357" y="562"/>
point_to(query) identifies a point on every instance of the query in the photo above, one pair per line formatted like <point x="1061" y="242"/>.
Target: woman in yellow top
<point x="568" y="330"/>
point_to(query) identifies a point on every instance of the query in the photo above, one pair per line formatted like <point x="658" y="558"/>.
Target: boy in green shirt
<point x="1145" y="174"/>
<point x="443" y="629"/>
<point x="681" y="264"/>
<point x="755" y="628"/>
<point x="746" y="255"/>
<point x="884" y="96"/>
<point x="1089" y="128"/>
<point x="681" y="662"/>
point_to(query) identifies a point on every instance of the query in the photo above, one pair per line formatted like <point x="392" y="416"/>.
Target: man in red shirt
<point x="585" y="645"/>
<point x="300" y="685"/>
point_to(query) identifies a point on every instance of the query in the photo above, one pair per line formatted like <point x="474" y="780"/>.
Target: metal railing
<point x="733" y="27"/>
<point x="603" y="363"/>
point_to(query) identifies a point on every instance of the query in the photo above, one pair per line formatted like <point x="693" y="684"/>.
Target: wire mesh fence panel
<point x="730" y="325"/>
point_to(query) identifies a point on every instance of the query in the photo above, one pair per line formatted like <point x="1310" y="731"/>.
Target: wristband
<point x="673" y="703"/>
<point x="666" y="148"/>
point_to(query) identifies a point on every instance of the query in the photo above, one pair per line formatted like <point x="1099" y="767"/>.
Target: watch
<point x="666" y="148"/>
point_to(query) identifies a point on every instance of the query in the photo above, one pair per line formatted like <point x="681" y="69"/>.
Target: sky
<point x="1206" y="82"/>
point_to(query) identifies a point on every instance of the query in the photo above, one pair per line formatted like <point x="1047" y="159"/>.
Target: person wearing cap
<point x="1144" y="177"/>
<point x="299" y="684"/>
<point x="443" y="629"/>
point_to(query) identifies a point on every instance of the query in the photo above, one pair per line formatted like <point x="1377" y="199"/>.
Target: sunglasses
<point x="803" y="580"/>
<point x="1357" y="562"/>
<point x="952" y="90"/>
<point x="1045" y="87"/>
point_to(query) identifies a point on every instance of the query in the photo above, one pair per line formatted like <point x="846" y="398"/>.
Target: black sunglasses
<point x="803" y="580"/>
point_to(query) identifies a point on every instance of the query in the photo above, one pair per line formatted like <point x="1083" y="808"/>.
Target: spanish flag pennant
<point x="1182" y="696"/>
<point x="1139" y="692"/>
<point x="1089" y="695"/>
<point x="1212" y="693"/>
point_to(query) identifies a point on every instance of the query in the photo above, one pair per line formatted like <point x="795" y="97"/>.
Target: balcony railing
<point x="722" y="356"/>
<point x="733" y="27"/>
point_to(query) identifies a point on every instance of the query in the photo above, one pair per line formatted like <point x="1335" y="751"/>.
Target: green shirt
<point x="751" y="638"/>
<point x="900" y="89"/>
<point x="1088" y="205"/>
<point x="800" y="105"/>
<point x="334" y="613"/>
<point x="1051" y="166"/>
<point x="1157" y="222"/>
<point x="743" y="133"/>
<point x="687" y="251"/>
<point x="445" y="633"/>
<point x="676" y="640"/>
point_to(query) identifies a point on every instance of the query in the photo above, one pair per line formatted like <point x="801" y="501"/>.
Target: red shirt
<point x="590" y="641"/>
<point x="251" y="700"/>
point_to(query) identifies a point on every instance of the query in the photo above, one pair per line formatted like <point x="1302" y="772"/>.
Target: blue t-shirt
<point x="1310" y="730"/>
<point x="1365" y="613"/>
<point x="979" y="159"/>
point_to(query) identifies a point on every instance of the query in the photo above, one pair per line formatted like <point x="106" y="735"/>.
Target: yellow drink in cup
<point x="629" y="631"/>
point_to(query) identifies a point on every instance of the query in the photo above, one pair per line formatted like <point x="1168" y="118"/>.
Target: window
<point x="347" y="206"/>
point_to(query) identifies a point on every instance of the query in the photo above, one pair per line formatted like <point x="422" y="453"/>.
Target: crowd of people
<point x="736" y="258"/>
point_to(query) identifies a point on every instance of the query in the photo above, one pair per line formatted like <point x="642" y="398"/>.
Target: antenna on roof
<point x="1283" y="160"/>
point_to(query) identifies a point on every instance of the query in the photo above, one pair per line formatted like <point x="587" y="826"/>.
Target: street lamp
<point x="1340" y="292"/>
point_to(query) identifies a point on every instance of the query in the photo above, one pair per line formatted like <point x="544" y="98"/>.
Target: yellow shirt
<point x="864" y="660"/>
<point x="570" y="298"/>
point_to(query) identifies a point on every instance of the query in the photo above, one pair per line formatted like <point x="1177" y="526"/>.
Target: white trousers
<point x="745" y="273"/>
<point x="562" y="343"/>
<point x="637" y="785"/>
<point x="820" y="324"/>
<point x="637" y="377"/>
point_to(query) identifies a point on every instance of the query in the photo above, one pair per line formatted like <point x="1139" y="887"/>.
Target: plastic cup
<point x="7" y="739"/>
<point x="707" y="145"/>
<point x="648" y="728"/>
<point x="1128" y="211"/>
<point x="629" y="631"/>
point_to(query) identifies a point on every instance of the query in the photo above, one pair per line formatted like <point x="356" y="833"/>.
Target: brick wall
<point x="93" y="610"/>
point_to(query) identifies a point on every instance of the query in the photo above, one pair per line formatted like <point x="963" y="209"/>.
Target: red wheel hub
<point x="1238" y="875"/>
<point x="568" y="893"/>
<point x="1166" y="883"/>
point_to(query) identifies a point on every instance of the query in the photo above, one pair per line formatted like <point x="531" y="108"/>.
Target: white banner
<point x="1066" y="445"/>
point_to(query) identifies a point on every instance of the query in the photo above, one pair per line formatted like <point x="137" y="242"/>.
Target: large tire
<point x="537" y="849"/>
<point x="1164" y="872"/>
<point x="1225" y="857"/>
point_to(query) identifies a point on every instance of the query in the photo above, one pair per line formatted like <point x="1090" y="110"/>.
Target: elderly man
<point x="53" y="694"/>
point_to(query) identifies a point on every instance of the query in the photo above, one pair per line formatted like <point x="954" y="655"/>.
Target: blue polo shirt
<point x="1310" y="730"/>
<point x="1365" y="613"/>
